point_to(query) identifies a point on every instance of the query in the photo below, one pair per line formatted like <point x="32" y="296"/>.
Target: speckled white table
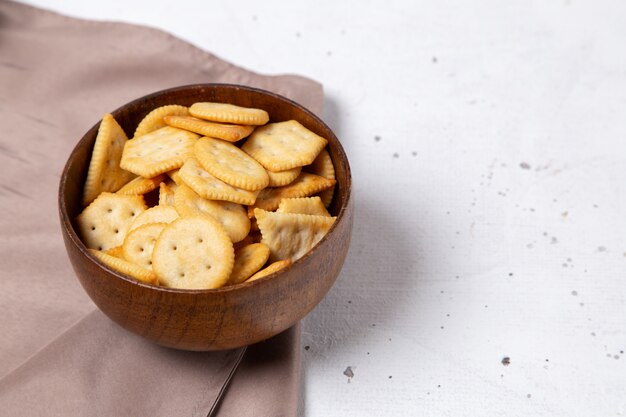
<point x="488" y="147"/>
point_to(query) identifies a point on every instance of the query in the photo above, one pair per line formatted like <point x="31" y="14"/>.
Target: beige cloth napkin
<point x="58" y="356"/>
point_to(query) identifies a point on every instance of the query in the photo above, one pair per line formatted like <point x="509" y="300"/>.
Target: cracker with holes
<point x="230" y="164"/>
<point x="289" y="235"/>
<point x="248" y="260"/>
<point x="229" y="113"/>
<point x="139" y="244"/>
<point x="141" y="185"/>
<point x="284" y="145"/>
<point x="231" y="216"/>
<point x="282" y="178"/>
<point x="156" y="214"/>
<point x="125" y="267"/>
<point x="304" y="186"/>
<point x="104" y="223"/>
<point x="212" y="188"/>
<point x="228" y="132"/>
<point x="304" y="205"/>
<point x="105" y="173"/>
<point x="193" y="253"/>
<point x="157" y="152"/>
<point x="323" y="166"/>
<point x="270" y="269"/>
<point x="155" y="119"/>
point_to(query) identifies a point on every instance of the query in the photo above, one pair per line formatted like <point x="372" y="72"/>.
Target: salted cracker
<point x="229" y="113"/>
<point x="304" y="186"/>
<point x="139" y="244"/>
<point x="228" y="132"/>
<point x="282" y="178"/>
<point x="289" y="235"/>
<point x="270" y="269"/>
<point x="156" y="214"/>
<point x="303" y="205"/>
<point x="211" y="188"/>
<point x="230" y="164"/>
<point x="105" y="173"/>
<point x="193" y="253"/>
<point x="323" y="166"/>
<point x="231" y="216"/>
<point x="154" y="120"/>
<point x="248" y="260"/>
<point x="104" y="223"/>
<point x="157" y="152"/>
<point x="125" y="267"/>
<point x="141" y="185"/>
<point x="284" y="145"/>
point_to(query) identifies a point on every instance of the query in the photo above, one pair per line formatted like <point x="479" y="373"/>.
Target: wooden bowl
<point x="228" y="317"/>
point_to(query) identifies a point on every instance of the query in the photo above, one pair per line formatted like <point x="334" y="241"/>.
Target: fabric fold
<point x="58" y="76"/>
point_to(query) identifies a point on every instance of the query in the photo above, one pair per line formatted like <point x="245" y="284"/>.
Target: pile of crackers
<point x="205" y="196"/>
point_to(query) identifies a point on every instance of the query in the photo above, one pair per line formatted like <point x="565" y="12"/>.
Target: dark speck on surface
<point x="553" y="240"/>
<point x="377" y="138"/>
<point x="510" y="274"/>
<point x="390" y="376"/>
<point x="434" y="60"/>
<point x="564" y="214"/>
<point x="528" y="395"/>
<point x="524" y="165"/>
<point x="396" y="155"/>
<point x="414" y="153"/>
<point x="506" y="361"/>
<point x="574" y="293"/>
<point x="601" y="249"/>
<point x="307" y="347"/>
<point x="593" y="333"/>
<point x="348" y="372"/>
<point x="298" y="34"/>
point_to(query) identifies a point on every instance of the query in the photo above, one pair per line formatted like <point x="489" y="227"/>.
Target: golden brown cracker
<point x="303" y="205"/>
<point x="125" y="267"/>
<point x="156" y="214"/>
<point x="230" y="164"/>
<point x="285" y="145"/>
<point x="282" y="178"/>
<point x="193" y="253"/>
<point x="273" y="267"/>
<point x="139" y="244"/>
<point x="231" y="216"/>
<point x="229" y="113"/>
<point x="117" y="251"/>
<point x="157" y="152"/>
<point x="304" y="186"/>
<point x="228" y="132"/>
<point x="323" y="166"/>
<point x="154" y="120"/>
<point x="105" y="173"/>
<point x="248" y="260"/>
<point x="141" y="185"/>
<point x="166" y="193"/>
<point x="104" y="223"/>
<point x="211" y="188"/>
<point x="289" y="235"/>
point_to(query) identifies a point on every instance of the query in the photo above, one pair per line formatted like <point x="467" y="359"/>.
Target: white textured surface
<point x="460" y="255"/>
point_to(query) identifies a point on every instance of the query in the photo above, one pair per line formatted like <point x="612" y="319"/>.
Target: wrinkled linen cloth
<point x="59" y="356"/>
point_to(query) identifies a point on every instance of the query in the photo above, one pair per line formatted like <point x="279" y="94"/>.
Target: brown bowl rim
<point x="65" y="219"/>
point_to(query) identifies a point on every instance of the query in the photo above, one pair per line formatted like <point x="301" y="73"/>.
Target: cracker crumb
<point x="506" y="361"/>
<point x="524" y="165"/>
<point x="348" y="372"/>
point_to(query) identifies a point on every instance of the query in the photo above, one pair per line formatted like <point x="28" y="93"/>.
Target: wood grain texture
<point x="213" y="319"/>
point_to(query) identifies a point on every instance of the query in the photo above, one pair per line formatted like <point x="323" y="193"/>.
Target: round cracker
<point x="125" y="267"/>
<point x="229" y="113"/>
<point x="274" y="267"/>
<point x="230" y="164"/>
<point x="232" y="216"/>
<point x="193" y="253"/>
<point x="139" y="244"/>
<point x="154" y="120"/>
<point x="248" y="260"/>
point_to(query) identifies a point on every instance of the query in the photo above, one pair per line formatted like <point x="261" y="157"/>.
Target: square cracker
<point x="304" y="205"/>
<point x="228" y="132"/>
<point x="290" y="235"/>
<point x="285" y="145"/>
<point x="157" y="152"/>
<point x="105" y="173"/>
<point x="104" y="223"/>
